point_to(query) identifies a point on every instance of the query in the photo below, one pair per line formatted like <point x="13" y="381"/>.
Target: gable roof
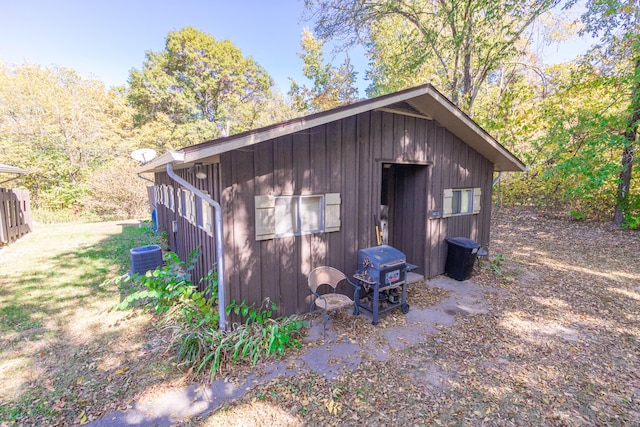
<point x="422" y="101"/>
<point x="11" y="169"/>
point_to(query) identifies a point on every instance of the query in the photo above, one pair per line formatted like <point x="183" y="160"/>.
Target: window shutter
<point x="170" y="199"/>
<point x="477" y="193"/>
<point x="192" y="207"/>
<point x="332" y="212"/>
<point x="206" y="217"/>
<point x="265" y="217"/>
<point x="165" y="195"/>
<point x="447" y="203"/>
<point x="180" y="202"/>
<point x="161" y="194"/>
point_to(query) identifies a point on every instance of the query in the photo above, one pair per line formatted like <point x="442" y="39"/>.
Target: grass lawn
<point x="65" y="355"/>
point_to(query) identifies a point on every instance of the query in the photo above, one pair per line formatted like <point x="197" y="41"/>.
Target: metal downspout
<point x="497" y="180"/>
<point x="219" y="240"/>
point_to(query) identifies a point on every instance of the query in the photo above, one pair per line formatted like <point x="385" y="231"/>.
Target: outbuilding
<point x="314" y="190"/>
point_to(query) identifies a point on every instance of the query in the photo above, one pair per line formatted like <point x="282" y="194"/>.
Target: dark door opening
<point x="402" y="211"/>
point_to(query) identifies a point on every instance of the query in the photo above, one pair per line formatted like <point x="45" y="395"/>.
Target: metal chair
<point x="332" y="300"/>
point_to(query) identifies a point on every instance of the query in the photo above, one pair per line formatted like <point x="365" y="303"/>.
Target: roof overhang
<point x="425" y="99"/>
<point x="12" y="169"/>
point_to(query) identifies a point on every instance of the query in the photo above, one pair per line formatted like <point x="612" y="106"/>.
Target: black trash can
<point x="461" y="255"/>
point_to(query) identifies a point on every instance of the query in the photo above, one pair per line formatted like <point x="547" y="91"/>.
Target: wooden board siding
<point x="346" y="157"/>
<point x="189" y="237"/>
<point x="15" y="215"/>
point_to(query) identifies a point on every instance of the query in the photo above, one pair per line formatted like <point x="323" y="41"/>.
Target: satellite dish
<point x="144" y="155"/>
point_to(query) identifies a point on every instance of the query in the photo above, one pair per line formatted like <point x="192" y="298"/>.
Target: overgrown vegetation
<point x="493" y="264"/>
<point x="192" y="316"/>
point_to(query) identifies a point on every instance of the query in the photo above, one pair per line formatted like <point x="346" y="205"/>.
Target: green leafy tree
<point x="332" y="86"/>
<point x="618" y="22"/>
<point x="114" y="191"/>
<point x="198" y="88"/>
<point x="60" y="127"/>
<point x="574" y="141"/>
<point x="458" y="44"/>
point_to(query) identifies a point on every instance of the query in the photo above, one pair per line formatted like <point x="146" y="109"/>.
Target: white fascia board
<point x="12" y="169"/>
<point x="158" y="164"/>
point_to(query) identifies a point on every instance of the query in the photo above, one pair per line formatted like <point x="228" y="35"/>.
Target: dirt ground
<point x="559" y="345"/>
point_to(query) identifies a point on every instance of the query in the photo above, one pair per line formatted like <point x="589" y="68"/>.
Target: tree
<point x="331" y="86"/>
<point x="114" y="191"/>
<point x="61" y="127"/>
<point x="618" y="21"/>
<point x="459" y="42"/>
<point x="574" y="140"/>
<point x="201" y="87"/>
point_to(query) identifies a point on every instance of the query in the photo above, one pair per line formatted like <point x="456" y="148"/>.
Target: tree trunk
<point x="628" y="155"/>
<point x="622" y="196"/>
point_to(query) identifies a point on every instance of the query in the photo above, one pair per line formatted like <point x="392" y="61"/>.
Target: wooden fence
<point x="15" y="215"/>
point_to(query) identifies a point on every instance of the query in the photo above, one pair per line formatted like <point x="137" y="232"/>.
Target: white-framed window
<point x="170" y="200"/>
<point x="461" y="201"/>
<point x="204" y="216"/>
<point x="187" y="205"/>
<point x="190" y="207"/>
<point x="281" y="216"/>
<point x="160" y="194"/>
<point x="297" y="215"/>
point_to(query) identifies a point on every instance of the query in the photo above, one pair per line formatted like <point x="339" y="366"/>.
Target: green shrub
<point x="193" y="317"/>
<point x="259" y="337"/>
<point x="495" y="264"/>
<point x="632" y="213"/>
<point x="169" y="289"/>
<point x="577" y="215"/>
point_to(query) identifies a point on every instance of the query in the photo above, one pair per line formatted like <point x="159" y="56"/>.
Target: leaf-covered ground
<point x="560" y="345"/>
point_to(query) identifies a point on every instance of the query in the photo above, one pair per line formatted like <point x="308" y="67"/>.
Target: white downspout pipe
<point x="217" y="209"/>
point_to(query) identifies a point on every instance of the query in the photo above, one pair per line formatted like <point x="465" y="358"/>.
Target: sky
<point x="106" y="39"/>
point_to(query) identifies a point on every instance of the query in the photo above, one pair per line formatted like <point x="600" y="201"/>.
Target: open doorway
<point x="402" y="210"/>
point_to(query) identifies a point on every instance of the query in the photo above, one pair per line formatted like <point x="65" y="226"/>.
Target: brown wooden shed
<point x="306" y="192"/>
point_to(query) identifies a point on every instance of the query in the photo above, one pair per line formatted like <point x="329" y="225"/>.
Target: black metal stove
<point x="382" y="273"/>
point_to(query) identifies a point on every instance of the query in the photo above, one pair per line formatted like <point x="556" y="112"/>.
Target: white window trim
<point x="171" y="198"/>
<point x="447" y="205"/>
<point x="190" y="204"/>
<point x="266" y="221"/>
<point x="204" y="216"/>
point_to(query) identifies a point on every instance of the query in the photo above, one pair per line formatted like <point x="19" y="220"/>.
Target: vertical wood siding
<point x="15" y="215"/>
<point x="343" y="157"/>
<point x="190" y="237"/>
